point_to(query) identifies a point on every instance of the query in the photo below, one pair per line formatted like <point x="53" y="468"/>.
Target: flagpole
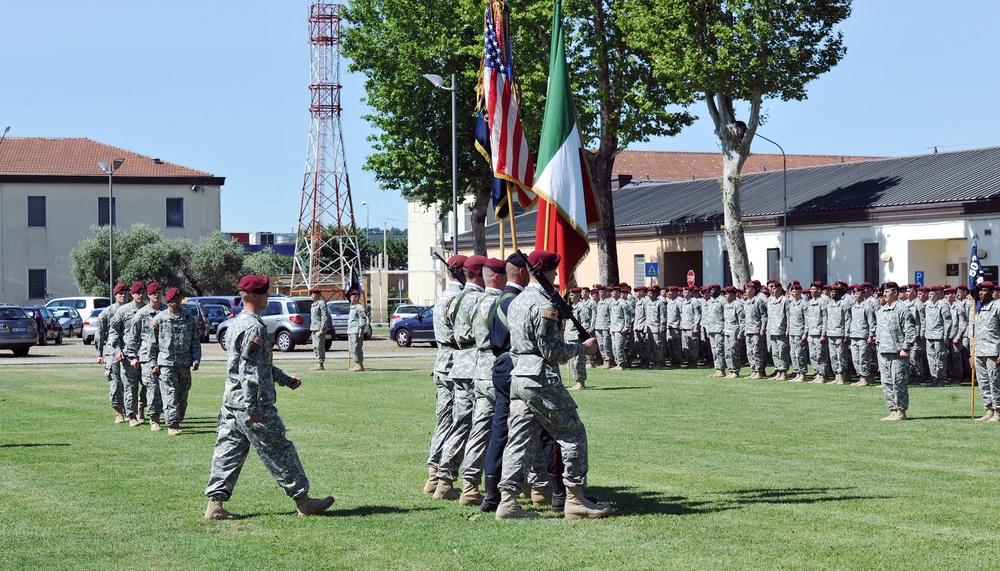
<point x="503" y="241"/>
<point x="510" y="216"/>
<point x="972" y="357"/>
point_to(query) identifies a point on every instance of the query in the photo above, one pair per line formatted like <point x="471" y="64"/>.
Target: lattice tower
<point x="326" y="244"/>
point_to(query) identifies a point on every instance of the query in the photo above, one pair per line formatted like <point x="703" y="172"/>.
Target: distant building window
<point x="872" y="263"/>
<point x="819" y="264"/>
<point x="36" y="211"/>
<point x="102" y="211"/>
<point x="639" y="269"/>
<point x="773" y="264"/>
<point x="175" y="213"/>
<point x="37" y="283"/>
<point x="468" y="217"/>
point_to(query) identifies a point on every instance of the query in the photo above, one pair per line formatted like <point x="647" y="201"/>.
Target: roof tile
<point x="79" y="156"/>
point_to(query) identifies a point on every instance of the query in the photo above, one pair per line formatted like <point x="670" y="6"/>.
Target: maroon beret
<point x="137" y="287"/>
<point x="890" y="285"/>
<point x="354" y="292"/>
<point x="544" y="260"/>
<point x="498" y="266"/>
<point x="729" y="289"/>
<point x="839" y="286"/>
<point x="475" y="264"/>
<point x="985" y="284"/>
<point x="867" y="284"/>
<point x="575" y="290"/>
<point x="707" y="288"/>
<point x="752" y="284"/>
<point x="937" y="288"/>
<point x="794" y="284"/>
<point x="914" y="285"/>
<point x="152" y="288"/>
<point x="614" y="288"/>
<point x="457" y="261"/>
<point x="641" y="288"/>
<point x="857" y="287"/>
<point x="171" y="294"/>
<point x="654" y="288"/>
<point x="119" y="288"/>
<point x="962" y="287"/>
<point x="817" y="283"/>
<point x="254" y="284"/>
<point x="597" y="287"/>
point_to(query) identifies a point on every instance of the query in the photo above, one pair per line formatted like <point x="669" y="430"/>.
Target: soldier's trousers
<point x="755" y="351"/>
<point x="538" y="477"/>
<point x="895" y="372"/>
<point x="604" y="345"/>
<point x="691" y="348"/>
<point x="175" y="384"/>
<point x="937" y="359"/>
<point x="268" y="438"/>
<point x="674" y="346"/>
<point x="819" y="356"/>
<point x="718" y="344"/>
<point x="838" y="355"/>
<point x="319" y="345"/>
<point x="113" y="372"/>
<point x="538" y="403"/>
<point x="444" y="402"/>
<point x="131" y="378"/>
<point x="861" y="356"/>
<point x="955" y="369"/>
<point x="152" y="383"/>
<point x="919" y="360"/>
<point x="798" y="351"/>
<point x="779" y="352"/>
<point x="618" y="340"/>
<point x="453" y="450"/>
<point x="479" y="434"/>
<point x="657" y="346"/>
<point x="734" y="355"/>
<point x="641" y="346"/>
<point x="988" y="377"/>
<point x="356" y="344"/>
<point x="966" y="355"/>
<point x="578" y="366"/>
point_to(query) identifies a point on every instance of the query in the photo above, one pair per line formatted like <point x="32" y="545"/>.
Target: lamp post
<point x="438" y="82"/>
<point x="784" y="187"/>
<point x="110" y="171"/>
<point x="367" y="219"/>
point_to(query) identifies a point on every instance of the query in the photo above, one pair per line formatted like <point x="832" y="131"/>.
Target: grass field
<point x="703" y="473"/>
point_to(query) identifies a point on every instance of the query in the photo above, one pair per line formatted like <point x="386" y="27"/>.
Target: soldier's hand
<point x="255" y="418"/>
<point x="156" y="370"/>
<point x="100" y="360"/>
<point x="194" y="367"/>
<point x="293" y="383"/>
<point x="590" y="346"/>
<point x="903" y="353"/>
<point x="871" y="340"/>
<point x="120" y="357"/>
<point x="134" y="363"/>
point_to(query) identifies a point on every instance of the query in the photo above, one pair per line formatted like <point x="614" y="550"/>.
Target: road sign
<point x="918" y="276"/>
<point x="690" y="277"/>
<point x="652" y="269"/>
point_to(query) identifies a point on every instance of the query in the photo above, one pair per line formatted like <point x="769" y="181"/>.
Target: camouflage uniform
<point x="815" y="316"/>
<point x="690" y="326"/>
<point x="895" y="330"/>
<point x="595" y="359"/>
<point x="131" y="376"/>
<point x="755" y="312"/>
<point x="484" y="393"/>
<point x="319" y="316"/>
<point x="861" y="328"/>
<point x="174" y="346"/>
<point x="712" y="319"/>
<point x="104" y="343"/>
<point x="357" y="318"/>
<point x="578" y="364"/>
<point x="639" y="331"/>
<point x="936" y="326"/>
<point x="986" y="333"/>
<point x="670" y="319"/>
<point x="777" y="331"/>
<point x="918" y="355"/>
<point x="619" y="322"/>
<point x="656" y="330"/>
<point x="538" y="399"/>
<point x="444" y="388"/>
<point x="798" y="348"/>
<point x="137" y="345"/>
<point x="836" y="330"/>
<point x="960" y="323"/>
<point x="602" y="325"/>
<point x="250" y="380"/>
<point x="733" y="328"/>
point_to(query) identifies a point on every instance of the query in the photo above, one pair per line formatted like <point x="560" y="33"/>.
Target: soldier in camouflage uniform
<point x="895" y="334"/>
<point x="319" y="317"/>
<point x="106" y="353"/>
<point x="861" y="330"/>
<point x="590" y="299"/>
<point x="577" y="364"/>
<point x="986" y="333"/>
<point x="118" y="326"/>
<point x="918" y="356"/>
<point x="445" y="389"/>
<point x="670" y="321"/>
<point x="463" y="370"/>
<point x="357" y="319"/>
<point x="539" y="399"/>
<point x="815" y="315"/>
<point x="620" y="324"/>
<point x="777" y="329"/>
<point x="641" y="336"/>
<point x="755" y="312"/>
<point x="602" y="326"/>
<point x="249" y="416"/>
<point x="733" y="330"/>
<point x="690" y="326"/>
<point x="656" y="329"/>
<point x="837" y="312"/>
<point x="798" y="337"/>
<point x="137" y="345"/>
<point x="936" y="326"/>
<point x="962" y="296"/>
<point x="960" y="324"/>
<point x="712" y="319"/>
<point x="174" y="351"/>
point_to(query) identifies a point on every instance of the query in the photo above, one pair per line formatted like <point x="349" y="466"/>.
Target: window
<point x="819" y="264"/>
<point x="872" y="263"/>
<point x="175" y="213"/>
<point x="468" y="216"/>
<point x="273" y="308"/>
<point x="639" y="269"/>
<point x="36" y="211"/>
<point x="773" y="264"/>
<point x="102" y="211"/>
<point x="727" y="270"/>
<point x="37" y="283"/>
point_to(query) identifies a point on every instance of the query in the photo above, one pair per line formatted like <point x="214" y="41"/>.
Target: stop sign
<point x="690" y="277"/>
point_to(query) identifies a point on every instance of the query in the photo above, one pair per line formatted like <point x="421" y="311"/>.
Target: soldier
<point x="755" y="310"/>
<point x="106" y="353"/>
<point x="713" y="318"/>
<point x="462" y="372"/>
<point x="962" y="296"/>
<point x="577" y="364"/>
<point x="861" y="330"/>
<point x="445" y="389"/>
<point x="656" y="328"/>
<point x="917" y="356"/>
<point x="319" y="318"/>
<point x="733" y="329"/>
<point x="690" y="326"/>
<point x="618" y="319"/>
<point x="117" y="326"/>
<point x="670" y="318"/>
<point x="986" y="333"/>
<point x="960" y="324"/>
<point x="641" y="306"/>
<point x="131" y="369"/>
<point x="539" y="399"/>
<point x="629" y="305"/>
<point x="602" y="326"/>
<point x="249" y="416"/>
<point x="815" y="316"/>
<point x="777" y="329"/>
<point x="590" y="299"/>
<point x="798" y="337"/>
<point x="895" y="332"/>
<point x="138" y="345"/>
<point x="837" y="312"/>
<point x="357" y="320"/>
<point x="937" y="325"/>
<point x="174" y="346"/>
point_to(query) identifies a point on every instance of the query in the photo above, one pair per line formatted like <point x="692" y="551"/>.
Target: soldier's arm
<point x="195" y="347"/>
<point x="550" y="341"/>
<point x="250" y="345"/>
<point x="153" y="343"/>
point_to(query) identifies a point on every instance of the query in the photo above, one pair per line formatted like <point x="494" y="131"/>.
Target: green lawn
<point x="704" y="474"/>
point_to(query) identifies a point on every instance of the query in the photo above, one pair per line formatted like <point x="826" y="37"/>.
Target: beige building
<point x="52" y="192"/>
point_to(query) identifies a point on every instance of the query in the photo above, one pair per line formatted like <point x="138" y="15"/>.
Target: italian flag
<point x="567" y="205"/>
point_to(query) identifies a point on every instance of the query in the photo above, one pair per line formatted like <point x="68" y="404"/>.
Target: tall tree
<point x="739" y="50"/>
<point x="213" y="264"/>
<point x="266" y="261"/>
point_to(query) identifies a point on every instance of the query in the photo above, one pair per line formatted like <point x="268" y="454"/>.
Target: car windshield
<point x="339" y="309"/>
<point x="427" y="312"/>
<point x="215" y="310"/>
<point x="190" y="309"/>
<point x="408" y="309"/>
<point x="12" y="313"/>
<point x="61" y="312"/>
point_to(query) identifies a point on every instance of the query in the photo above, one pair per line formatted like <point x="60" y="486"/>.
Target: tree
<point x="213" y="264"/>
<point x="266" y="261"/>
<point x="746" y="50"/>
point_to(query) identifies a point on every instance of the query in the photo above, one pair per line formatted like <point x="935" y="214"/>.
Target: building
<point x="52" y="192"/>
<point x="909" y="219"/>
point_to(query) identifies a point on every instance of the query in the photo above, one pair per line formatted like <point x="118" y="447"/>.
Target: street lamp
<point x="367" y="220"/>
<point x="110" y="171"/>
<point x="784" y="186"/>
<point x="438" y="82"/>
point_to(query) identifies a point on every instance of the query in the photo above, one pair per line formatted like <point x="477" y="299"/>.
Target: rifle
<point x="457" y="274"/>
<point x="562" y="307"/>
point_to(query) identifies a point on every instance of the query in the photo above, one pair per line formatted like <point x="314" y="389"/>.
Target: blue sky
<point x="222" y="86"/>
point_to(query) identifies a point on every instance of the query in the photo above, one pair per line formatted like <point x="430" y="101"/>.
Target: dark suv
<point x="287" y="320"/>
<point x="48" y="326"/>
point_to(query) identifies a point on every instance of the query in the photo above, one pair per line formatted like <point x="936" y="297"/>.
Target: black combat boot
<point x="491" y="497"/>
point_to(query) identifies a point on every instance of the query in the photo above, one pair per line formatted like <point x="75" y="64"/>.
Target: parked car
<point x="90" y="327"/>
<point x="18" y="330"/>
<point x="233" y="303"/>
<point x="196" y="311"/>
<point x="403" y="311"/>
<point x="287" y="320"/>
<point x="46" y="324"/>
<point x="339" y="311"/>
<point x="83" y="304"/>
<point x="416" y="329"/>
<point x="70" y="320"/>
<point x="216" y="314"/>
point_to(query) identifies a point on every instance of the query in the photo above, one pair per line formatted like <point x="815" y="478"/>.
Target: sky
<point x="222" y="86"/>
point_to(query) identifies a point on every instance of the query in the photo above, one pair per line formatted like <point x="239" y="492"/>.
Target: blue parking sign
<point x="918" y="276"/>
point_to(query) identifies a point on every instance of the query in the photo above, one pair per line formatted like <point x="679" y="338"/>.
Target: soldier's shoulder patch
<point x="551" y="314"/>
<point x="257" y="340"/>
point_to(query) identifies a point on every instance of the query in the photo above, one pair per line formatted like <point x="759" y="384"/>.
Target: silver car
<point x="339" y="311"/>
<point x="90" y="326"/>
<point x="404" y="311"/>
<point x="287" y="320"/>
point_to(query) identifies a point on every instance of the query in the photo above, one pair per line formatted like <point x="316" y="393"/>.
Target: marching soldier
<point x="895" y="332"/>
<point x="577" y="364"/>
<point x="139" y="346"/>
<point x="319" y="317"/>
<point x="117" y="326"/>
<point x="861" y="330"/>
<point x="357" y="320"/>
<point x="106" y="351"/>
<point x="986" y="333"/>
<point x="174" y="351"/>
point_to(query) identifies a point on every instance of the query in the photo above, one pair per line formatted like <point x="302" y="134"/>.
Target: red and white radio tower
<point x="326" y="245"/>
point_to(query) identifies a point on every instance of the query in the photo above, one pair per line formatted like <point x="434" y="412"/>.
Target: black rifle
<point x="457" y="274"/>
<point x="564" y="309"/>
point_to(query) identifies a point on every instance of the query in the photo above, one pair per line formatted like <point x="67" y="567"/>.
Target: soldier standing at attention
<point x="444" y="335"/>
<point x="602" y="325"/>
<point x="656" y="330"/>
<point x="117" y="327"/>
<point x="777" y="329"/>
<point x="917" y="356"/>
<point x="174" y="346"/>
<point x="713" y="318"/>
<point x="755" y="311"/>
<point x="936" y="326"/>
<point x="862" y="333"/>
<point x="357" y="319"/>
<point x="590" y="300"/>
<point x="986" y="333"/>
<point x="963" y="296"/>
<point x="733" y="328"/>
<point x="670" y="322"/>
<point x="138" y="345"/>
<point x="690" y="326"/>
<point x="815" y="315"/>
<point x="538" y="399"/>
<point x="577" y="364"/>
<point x="106" y="353"/>
<point x="319" y="318"/>
<point x="895" y="333"/>
<point x="249" y="416"/>
<point x="960" y="324"/>
<point x="620" y="326"/>
<point x="640" y="307"/>
<point x="836" y="333"/>
<point x="798" y="337"/>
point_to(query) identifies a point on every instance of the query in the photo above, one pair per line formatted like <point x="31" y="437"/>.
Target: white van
<point x="83" y="304"/>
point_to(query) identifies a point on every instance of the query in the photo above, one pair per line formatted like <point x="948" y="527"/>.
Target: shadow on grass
<point x="590" y="388"/>
<point x="638" y="502"/>
<point x="360" y="511"/>
<point x="948" y="417"/>
<point x="32" y="445"/>
<point x="794" y="496"/>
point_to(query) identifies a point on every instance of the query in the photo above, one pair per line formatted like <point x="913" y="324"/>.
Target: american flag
<point x="508" y="146"/>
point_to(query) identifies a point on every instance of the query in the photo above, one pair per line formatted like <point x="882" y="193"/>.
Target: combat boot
<point x="308" y="506"/>
<point x="754" y="375"/>
<point x="780" y="376"/>
<point x="579" y="386"/>
<point x="895" y="415"/>
<point x="358" y="366"/>
<point x="141" y="415"/>
<point x="216" y="511"/>
<point x="818" y="379"/>
<point x="470" y="494"/>
<point x="838" y="379"/>
<point x="541" y="496"/>
<point x="618" y="368"/>
<point x="154" y="423"/>
<point x="445" y="491"/>
<point x="119" y="416"/>
<point x="862" y="382"/>
<point x="133" y="421"/>
<point x="173" y="429"/>
<point x="432" y="480"/>
<point x="579" y="506"/>
<point x="990" y="413"/>
<point x="319" y="367"/>
<point x="491" y="497"/>
<point x="994" y="418"/>
<point x="718" y="374"/>
<point x="509" y="509"/>
<point x="733" y="375"/>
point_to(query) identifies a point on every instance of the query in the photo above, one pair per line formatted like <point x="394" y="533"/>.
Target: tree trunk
<point x="479" y="222"/>
<point x="607" y="240"/>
